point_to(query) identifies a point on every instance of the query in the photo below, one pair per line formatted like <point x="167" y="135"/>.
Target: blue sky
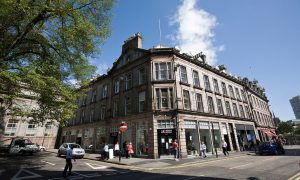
<point x="255" y="39"/>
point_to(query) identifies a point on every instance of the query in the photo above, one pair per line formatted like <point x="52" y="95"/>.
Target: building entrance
<point x="165" y="139"/>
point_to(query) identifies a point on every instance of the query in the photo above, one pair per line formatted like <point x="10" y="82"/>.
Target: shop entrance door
<point x="165" y="139"/>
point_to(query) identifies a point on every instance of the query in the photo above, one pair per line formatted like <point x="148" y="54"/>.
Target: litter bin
<point x="111" y="153"/>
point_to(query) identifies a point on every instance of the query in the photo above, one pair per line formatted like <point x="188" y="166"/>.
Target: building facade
<point x="163" y="95"/>
<point x="295" y="103"/>
<point x="17" y="126"/>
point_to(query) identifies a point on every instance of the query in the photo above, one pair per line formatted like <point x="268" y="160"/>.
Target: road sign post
<point x="123" y="127"/>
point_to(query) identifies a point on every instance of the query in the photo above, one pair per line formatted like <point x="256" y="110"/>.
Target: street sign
<point x="123" y="127"/>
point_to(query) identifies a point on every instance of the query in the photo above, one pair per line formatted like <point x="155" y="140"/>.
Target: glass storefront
<point x="205" y="135"/>
<point x="192" y="138"/>
<point x="142" y="144"/>
<point x="166" y="133"/>
<point x="216" y="133"/>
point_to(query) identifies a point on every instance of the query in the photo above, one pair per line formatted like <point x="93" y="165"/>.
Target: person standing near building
<point x="69" y="157"/>
<point x="130" y="150"/>
<point x="106" y="151"/>
<point x="117" y="149"/>
<point x="224" y="147"/>
<point x="175" y="148"/>
<point x="203" y="150"/>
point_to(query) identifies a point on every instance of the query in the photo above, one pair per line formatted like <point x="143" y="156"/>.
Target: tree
<point x="284" y="127"/>
<point x="44" y="47"/>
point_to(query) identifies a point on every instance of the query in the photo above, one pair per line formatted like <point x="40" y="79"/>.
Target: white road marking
<point x="240" y="166"/>
<point x="33" y="175"/>
<point x="48" y="163"/>
<point x="95" y="166"/>
<point x="190" y="178"/>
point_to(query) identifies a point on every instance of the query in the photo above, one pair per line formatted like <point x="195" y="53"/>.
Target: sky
<point x="255" y="39"/>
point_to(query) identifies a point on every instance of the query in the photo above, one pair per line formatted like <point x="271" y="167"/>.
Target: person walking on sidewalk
<point x="175" y="147"/>
<point x="117" y="149"/>
<point x="130" y="150"/>
<point x="203" y="150"/>
<point x="106" y="151"/>
<point x="69" y="158"/>
<point x="224" y="147"/>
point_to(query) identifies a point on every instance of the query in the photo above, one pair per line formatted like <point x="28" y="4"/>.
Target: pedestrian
<point x="224" y="147"/>
<point x="106" y="151"/>
<point x="125" y="149"/>
<point x="130" y="150"/>
<point x="203" y="150"/>
<point x="175" y="148"/>
<point x="69" y="157"/>
<point x="117" y="149"/>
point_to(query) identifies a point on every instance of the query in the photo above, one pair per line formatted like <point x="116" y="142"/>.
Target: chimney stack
<point x="134" y="41"/>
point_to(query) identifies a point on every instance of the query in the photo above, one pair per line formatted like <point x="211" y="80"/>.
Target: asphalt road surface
<point x="48" y="166"/>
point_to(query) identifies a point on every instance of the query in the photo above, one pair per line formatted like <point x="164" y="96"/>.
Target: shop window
<point x="207" y="83"/>
<point x="163" y="71"/>
<point x="196" y="80"/>
<point x="188" y="124"/>
<point x="142" y="135"/>
<point x="165" y="124"/>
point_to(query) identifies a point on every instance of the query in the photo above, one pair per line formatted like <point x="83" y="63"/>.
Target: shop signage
<point x="123" y="127"/>
<point x="166" y="131"/>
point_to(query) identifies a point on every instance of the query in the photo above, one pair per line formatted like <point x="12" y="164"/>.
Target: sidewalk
<point x="161" y="163"/>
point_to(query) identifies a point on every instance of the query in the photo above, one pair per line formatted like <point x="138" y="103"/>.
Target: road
<point x="48" y="166"/>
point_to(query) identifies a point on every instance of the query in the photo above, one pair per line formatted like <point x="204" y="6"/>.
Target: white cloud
<point x="194" y="31"/>
<point x="102" y="69"/>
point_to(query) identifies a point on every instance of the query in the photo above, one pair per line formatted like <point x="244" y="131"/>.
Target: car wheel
<point x="81" y="157"/>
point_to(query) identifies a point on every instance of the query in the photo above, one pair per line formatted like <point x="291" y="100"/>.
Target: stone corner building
<point x="164" y="95"/>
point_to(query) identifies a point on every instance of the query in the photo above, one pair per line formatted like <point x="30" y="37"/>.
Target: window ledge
<point x="218" y="93"/>
<point x="207" y="90"/>
<point x="184" y="83"/>
<point x="197" y="87"/>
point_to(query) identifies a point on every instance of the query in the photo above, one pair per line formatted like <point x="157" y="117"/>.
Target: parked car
<point x="19" y="146"/>
<point x="268" y="148"/>
<point x="78" y="152"/>
<point x="41" y="148"/>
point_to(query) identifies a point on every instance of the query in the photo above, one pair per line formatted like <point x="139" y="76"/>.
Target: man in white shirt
<point x="106" y="151"/>
<point x="224" y="147"/>
<point x="203" y="150"/>
<point x="69" y="157"/>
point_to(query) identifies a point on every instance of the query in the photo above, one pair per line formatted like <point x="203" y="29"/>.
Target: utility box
<point x="110" y="153"/>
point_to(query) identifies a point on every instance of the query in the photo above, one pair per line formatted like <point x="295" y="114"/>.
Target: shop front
<point x="166" y="134"/>
<point x="192" y="137"/>
<point x="205" y="135"/>
<point x="245" y="135"/>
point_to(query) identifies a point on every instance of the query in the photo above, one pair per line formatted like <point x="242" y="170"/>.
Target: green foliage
<point x="44" y="46"/>
<point x="284" y="127"/>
